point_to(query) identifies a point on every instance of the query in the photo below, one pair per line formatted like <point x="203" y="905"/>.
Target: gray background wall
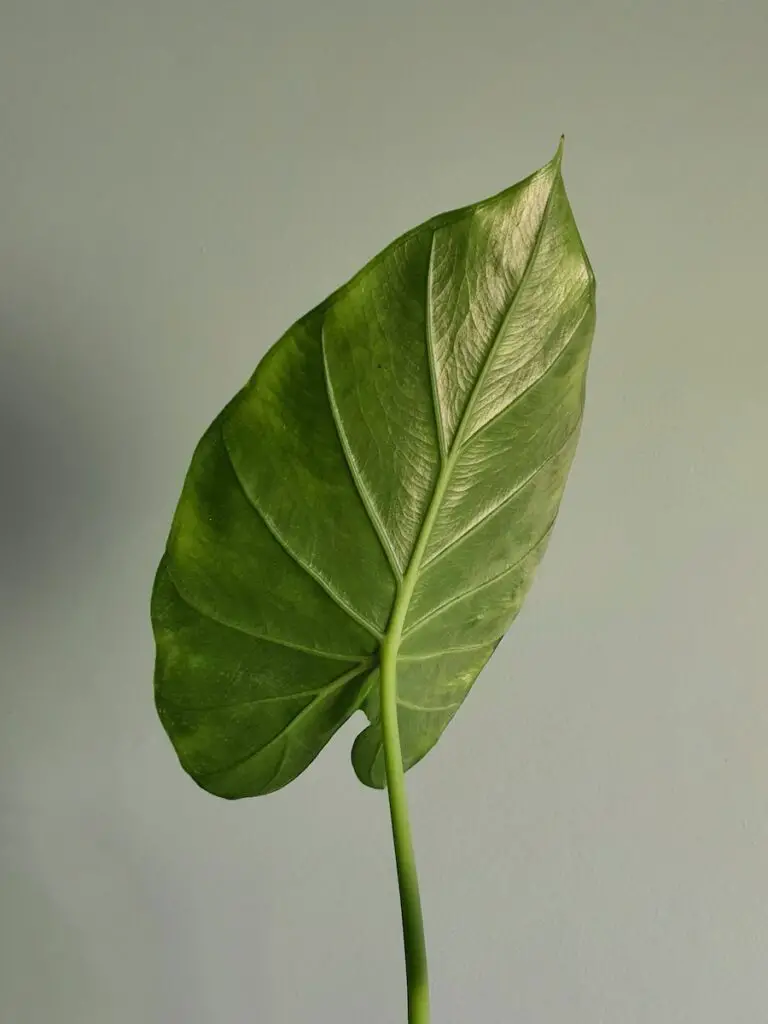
<point x="178" y="182"/>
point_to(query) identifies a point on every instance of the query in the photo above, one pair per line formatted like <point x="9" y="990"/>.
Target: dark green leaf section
<point x="399" y="455"/>
<point x="286" y="451"/>
<point x="226" y="562"/>
<point x="243" y="710"/>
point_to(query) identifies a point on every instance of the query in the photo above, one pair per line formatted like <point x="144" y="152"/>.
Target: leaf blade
<point x="403" y="449"/>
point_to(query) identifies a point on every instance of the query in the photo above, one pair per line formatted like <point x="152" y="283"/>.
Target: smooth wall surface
<point x="179" y="181"/>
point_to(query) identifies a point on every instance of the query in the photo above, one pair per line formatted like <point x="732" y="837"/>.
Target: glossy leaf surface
<point x="406" y="443"/>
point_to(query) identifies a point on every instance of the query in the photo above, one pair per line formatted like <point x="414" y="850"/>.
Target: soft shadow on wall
<point x="91" y="914"/>
<point x="53" y="466"/>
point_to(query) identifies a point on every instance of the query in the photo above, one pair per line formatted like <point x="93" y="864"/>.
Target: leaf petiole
<point x="410" y="900"/>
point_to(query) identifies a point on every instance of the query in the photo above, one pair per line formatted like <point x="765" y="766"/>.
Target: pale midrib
<point x="490" y="355"/>
<point x="252" y="633"/>
<point x="406" y="587"/>
<point x="333" y="687"/>
<point x="336" y="598"/>
<point x="408" y="584"/>
<point x="357" y="479"/>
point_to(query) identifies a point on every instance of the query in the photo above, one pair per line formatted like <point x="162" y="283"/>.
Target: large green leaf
<point x="399" y="454"/>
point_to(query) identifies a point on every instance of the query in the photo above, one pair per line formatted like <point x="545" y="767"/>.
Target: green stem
<point x="410" y="901"/>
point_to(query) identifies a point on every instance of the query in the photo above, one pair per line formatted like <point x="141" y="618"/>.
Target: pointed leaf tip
<point x="557" y="159"/>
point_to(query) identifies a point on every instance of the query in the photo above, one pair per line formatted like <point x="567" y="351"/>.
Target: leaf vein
<point x="430" y="342"/>
<point x="425" y="656"/>
<point x="272" y="698"/>
<point x="342" y="681"/>
<point x="455" y="541"/>
<point x="534" y="383"/>
<point x="458" y="598"/>
<point x="420" y="707"/>
<point x="406" y="590"/>
<point x="354" y="470"/>
<point x="493" y="348"/>
<point x="253" y="633"/>
<point x="305" y="567"/>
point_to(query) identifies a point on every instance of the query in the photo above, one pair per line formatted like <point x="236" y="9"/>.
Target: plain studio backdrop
<point x="179" y="181"/>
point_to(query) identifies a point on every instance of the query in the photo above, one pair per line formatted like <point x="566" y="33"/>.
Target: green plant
<point x="360" y="525"/>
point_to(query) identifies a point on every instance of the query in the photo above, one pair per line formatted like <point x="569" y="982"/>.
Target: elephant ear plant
<point x="360" y="524"/>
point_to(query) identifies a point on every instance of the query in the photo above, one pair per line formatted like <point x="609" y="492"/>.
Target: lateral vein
<point x="420" y="707"/>
<point x="286" y="730"/>
<point x="455" y="541"/>
<point x="272" y="698"/>
<point x="253" y="633"/>
<point x="493" y="348"/>
<point x="534" y="383"/>
<point x="430" y="341"/>
<point x="447" y="650"/>
<point x="354" y="470"/>
<point x="312" y="573"/>
<point x="458" y="598"/>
